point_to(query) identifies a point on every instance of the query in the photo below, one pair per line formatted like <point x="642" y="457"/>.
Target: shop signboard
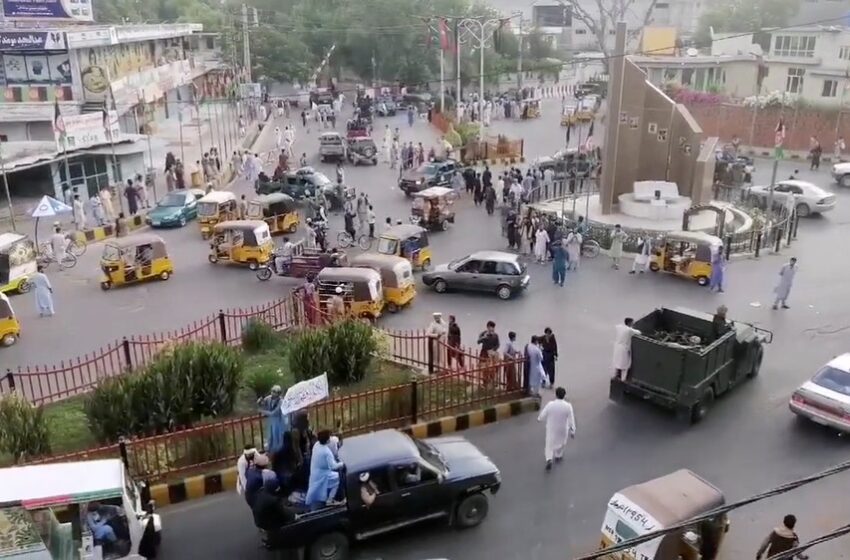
<point x="76" y="10"/>
<point x="32" y="41"/>
<point x="89" y="129"/>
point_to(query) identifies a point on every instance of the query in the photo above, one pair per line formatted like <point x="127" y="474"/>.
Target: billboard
<point x="32" y="41"/>
<point x="78" y="10"/>
<point x="89" y="129"/>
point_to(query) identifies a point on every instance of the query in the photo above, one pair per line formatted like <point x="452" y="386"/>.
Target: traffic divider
<point x="105" y="232"/>
<point x="224" y="480"/>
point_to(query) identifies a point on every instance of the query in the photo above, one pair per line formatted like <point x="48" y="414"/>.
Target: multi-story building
<point x="810" y="62"/>
<point x="141" y="74"/>
<point x="733" y="75"/>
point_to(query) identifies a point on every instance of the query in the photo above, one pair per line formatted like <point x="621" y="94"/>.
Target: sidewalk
<point x="218" y="126"/>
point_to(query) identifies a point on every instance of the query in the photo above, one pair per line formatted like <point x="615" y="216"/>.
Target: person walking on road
<point x="641" y="262"/>
<point x="411" y="116"/>
<point x="616" y="251"/>
<point x="541" y="242"/>
<point x="560" y="262"/>
<point x="786" y="281"/>
<point x="362" y="212"/>
<point x="534" y="365"/>
<point x="560" y="426"/>
<point x="549" y="346"/>
<point x="815" y="151"/>
<point x="370" y="221"/>
<point x="622" y="360"/>
<point x="43" y="292"/>
<point x="106" y="201"/>
<point x="573" y="242"/>
<point x="781" y="539"/>
<point x="79" y="213"/>
<point x="436" y="333"/>
<point x="718" y="270"/>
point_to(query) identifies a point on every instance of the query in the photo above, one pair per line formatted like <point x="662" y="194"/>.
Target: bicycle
<point x="72" y="245"/>
<point x="590" y="249"/>
<point x="46" y="258"/>
<point x="345" y="240"/>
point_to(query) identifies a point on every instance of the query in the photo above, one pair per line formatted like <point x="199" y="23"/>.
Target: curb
<point x="224" y="480"/>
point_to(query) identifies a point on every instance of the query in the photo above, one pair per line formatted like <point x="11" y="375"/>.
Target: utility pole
<point x="6" y="188"/>
<point x="458" y="42"/>
<point x="246" y="44"/>
<point x="519" y="58"/>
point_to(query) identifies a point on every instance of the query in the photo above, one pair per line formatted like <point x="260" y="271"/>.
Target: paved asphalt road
<point x="748" y="443"/>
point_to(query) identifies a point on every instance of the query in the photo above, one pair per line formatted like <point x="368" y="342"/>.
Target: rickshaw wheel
<point x="205" y="236"/>
<point x="702" y="280"/>
<point x="24" y="286"/>
<point x="292" y="227"/>
<point x="164" y="275"/>
<point x="653" y="266"/>
<point x="392" y="307"/>
<point x="444" y="225"/>
<point x="426" y="264"/>
<point x="213" y="259"/>
<point x="105" y="285"/>
<point x="8" y="340"/>
<point x="368" y="319"/>
<point x="253" y="265"/>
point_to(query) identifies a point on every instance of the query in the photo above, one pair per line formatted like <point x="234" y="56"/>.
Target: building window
<point x="210" y="43"/>
<point x="552" y="16"/>
<point x="794" y="80"/>
<point x="844" y="53"/>
<point x="830" y="88"/>
<point x="794" y="45"/>
<point x="581" y="31"/>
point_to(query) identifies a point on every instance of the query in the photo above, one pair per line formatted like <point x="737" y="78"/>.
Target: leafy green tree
<point x="744" y="16"/>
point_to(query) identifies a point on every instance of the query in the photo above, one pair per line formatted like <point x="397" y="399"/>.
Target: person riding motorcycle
<point x="283" y="257"/>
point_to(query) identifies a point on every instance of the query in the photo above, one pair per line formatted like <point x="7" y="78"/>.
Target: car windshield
<point x="429" y="169"/>
<point x="454" y="264"/>
<point x="387" y="246"/>
<point x="833" y="379"/>
<point x="431" y="455"/>
<point x="172" y="200"/>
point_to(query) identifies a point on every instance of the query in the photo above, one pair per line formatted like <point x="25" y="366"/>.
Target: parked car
<point x="416" y="481"/>
<point x="825" y="398"/>
<point x="841" y="173"/>
<point x="432" y="174"/>
<point x="175" y="209"/>
<point x="808" y="198"/>
<point x="484" y="271"/>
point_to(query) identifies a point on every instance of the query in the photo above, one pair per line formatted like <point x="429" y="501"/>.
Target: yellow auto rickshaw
<point x="530" y="109"/>
<point x="127" y="260"/>
<point x="660" y="503"/>
<point x="215" y="207"/>
<point x="242" y="242"/>
<point x="687" y="254"/>
<point x="276" y="209"/>
<point x="17" y="262"/>
<point x="396" y="277"/>
<point x="358" y="288"/>
<point x="408" y="241"/>
<point x="10" y="328"/>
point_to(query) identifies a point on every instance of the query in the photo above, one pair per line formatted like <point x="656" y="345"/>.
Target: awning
<point x="121" y="149"/>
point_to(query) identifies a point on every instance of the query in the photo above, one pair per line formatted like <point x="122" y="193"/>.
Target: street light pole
<point x="481" y="31"/>
<point x="6" y="188"/>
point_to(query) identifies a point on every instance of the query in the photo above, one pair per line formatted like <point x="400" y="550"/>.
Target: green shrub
<point x="258" y="336"/>
<point x="309" y="354"/>
<point x="23" y="428"/>
<point x="352" y="349"/>
<point x="345" y="350"/>
<point x="187" y="383"/>
<point x="261" y="381"/>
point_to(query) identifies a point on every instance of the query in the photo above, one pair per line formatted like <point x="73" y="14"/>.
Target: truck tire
<point x="759" y="356"/>
<point x="471" y="511"/>
<point x="330" y="546"/>
<point x="700" y="410"/>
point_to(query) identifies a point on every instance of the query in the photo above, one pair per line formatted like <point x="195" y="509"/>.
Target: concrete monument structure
<point x="650" y="139"/>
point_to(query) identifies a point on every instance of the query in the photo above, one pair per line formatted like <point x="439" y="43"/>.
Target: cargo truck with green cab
<point x="684" y="360"/>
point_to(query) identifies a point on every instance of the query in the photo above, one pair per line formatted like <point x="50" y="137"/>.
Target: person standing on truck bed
<point x="623" y="348"/>
<point x="719" y="326"/>
<point x="324" y="474"/>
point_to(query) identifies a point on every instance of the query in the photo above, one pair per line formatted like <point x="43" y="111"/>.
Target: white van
<point x="84" y="510"/>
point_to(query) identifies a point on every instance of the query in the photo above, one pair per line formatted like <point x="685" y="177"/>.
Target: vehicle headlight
<point x="420" y="181"/>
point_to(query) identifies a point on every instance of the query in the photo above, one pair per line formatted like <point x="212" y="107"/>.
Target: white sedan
<point x="825" y="398"/>
<point x="808" y="198"/>
<point x="841" y="173"/>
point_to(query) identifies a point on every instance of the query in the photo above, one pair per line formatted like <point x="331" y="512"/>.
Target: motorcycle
<point x="269" y="269"/>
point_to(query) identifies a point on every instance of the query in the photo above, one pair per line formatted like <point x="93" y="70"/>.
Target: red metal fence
<point x="48" y="383"/>
<point x="478" y="384"/>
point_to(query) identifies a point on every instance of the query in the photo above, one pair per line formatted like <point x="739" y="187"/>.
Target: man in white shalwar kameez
<point x="278" y="138"/>
<point x="242" y="464"/>
<point x="623" y="348"/>
<point x="560" y="426"/>
<point x="541" y="244"/>
<point x="641" y="262"/>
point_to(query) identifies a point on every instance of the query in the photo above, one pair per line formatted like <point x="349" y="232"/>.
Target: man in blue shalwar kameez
<point x="324" y="475"/>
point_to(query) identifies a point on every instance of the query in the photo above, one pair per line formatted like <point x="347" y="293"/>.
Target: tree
<point x="744" y="16"/>
<point x="602" y="16"/>
<point x="280" y="56"/>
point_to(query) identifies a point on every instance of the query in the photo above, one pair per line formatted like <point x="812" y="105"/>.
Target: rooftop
<point x="92" y="35"/>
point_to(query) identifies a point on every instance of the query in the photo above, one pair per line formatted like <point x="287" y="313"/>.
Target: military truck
<point x="685" y="359"/>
